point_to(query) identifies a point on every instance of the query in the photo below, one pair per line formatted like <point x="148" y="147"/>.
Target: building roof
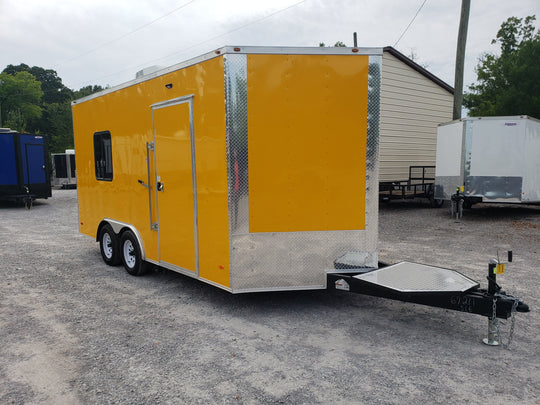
<point x="394" y="52"/>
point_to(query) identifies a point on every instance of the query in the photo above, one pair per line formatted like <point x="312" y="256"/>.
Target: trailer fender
<point x="119" y="228"/>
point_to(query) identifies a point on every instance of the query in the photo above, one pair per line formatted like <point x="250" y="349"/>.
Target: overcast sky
<point x="106" y="42"/>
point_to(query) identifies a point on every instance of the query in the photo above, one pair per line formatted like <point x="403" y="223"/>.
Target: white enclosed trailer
<point x="489" y="159"/>
<point x="64" y="174"/>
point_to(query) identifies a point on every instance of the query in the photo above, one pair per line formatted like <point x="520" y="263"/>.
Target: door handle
<point x="160" y="186"/>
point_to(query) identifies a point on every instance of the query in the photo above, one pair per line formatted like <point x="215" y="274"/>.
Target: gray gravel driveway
<point x="76" y="331"/>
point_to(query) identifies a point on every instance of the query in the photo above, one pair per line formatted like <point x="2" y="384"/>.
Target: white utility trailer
<point x="489" y="159"/>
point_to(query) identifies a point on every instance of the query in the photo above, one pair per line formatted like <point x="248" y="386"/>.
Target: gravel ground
<point x="75" y="331"/>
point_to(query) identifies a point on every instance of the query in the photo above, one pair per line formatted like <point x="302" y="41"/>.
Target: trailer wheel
<point x="131" y="255"/>
<point x="435" y="203"/>
<point x="108" y="245"/>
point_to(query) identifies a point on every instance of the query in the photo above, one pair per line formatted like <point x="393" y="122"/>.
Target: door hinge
<point x="154" y="226"/>
<point x="150" y="145"/>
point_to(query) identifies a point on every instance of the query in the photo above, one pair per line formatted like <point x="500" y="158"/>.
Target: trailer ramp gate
<point x="426" y="285"/>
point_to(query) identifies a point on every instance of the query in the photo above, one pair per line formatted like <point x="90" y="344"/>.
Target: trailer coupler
<point x="435" y="287"/>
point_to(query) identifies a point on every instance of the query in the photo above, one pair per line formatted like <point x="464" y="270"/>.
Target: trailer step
<point x="413" y="277"/>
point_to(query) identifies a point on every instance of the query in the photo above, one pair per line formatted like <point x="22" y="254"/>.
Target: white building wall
<point x="412" y="105"/>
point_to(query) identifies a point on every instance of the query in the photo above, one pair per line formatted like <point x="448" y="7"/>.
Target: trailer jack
<point x="435" y="287"/>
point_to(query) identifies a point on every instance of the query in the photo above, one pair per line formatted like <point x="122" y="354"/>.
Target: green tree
<point x="86" y="91"/>
<point x="34" y="99"/>
<point x="54" y="90"/>
<point x="60" y="126"/>
<point x="20" y="96"/>
<point x="509" y="84"/>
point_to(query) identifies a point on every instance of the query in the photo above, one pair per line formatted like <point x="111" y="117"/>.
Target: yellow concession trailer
<point x="249" y="168"/>
<point x="254" y="169"/>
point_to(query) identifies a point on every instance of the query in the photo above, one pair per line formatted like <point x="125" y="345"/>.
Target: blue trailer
<point x="24" y="168"/>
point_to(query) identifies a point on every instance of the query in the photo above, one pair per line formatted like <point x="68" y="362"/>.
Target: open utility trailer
<point x="251" y="169"/>
<point x="420" y="184"/>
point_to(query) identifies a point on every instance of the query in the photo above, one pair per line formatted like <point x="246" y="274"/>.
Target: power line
<point x="418" y="11"/>
<point x="124" y="35"/>
<point x="203" y="42"/>
<point x="234" y="29"/>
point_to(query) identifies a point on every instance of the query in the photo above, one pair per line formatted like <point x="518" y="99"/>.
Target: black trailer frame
<point x="420" y="184"/>
<point x="492" y="302"/>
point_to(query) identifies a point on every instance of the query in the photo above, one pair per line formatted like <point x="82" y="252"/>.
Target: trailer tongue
<point x="432" y="286"/>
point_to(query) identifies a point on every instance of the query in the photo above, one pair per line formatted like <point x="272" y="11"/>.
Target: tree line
<point x="508" y="83"/>
<point x="34" y="100"/>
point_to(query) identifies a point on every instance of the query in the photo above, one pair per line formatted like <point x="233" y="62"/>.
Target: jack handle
<point x="143" y="183"/>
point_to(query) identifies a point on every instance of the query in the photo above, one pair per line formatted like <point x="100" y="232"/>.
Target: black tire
<point x="130" y="252"/>
<point x="435" y="203"/>
<point x="108" y="245"/>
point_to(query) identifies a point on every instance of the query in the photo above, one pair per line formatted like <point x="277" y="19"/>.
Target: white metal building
<point x="413" y="103"/>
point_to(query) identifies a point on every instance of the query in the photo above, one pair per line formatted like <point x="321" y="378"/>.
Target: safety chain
<point x="496" y="320"/>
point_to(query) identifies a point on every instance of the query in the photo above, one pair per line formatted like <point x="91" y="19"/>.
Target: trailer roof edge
<point x="230" y="50"/>
<point x="495" y="117"/>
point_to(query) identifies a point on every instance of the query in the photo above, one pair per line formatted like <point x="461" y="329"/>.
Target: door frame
<point x="164" y="104"/>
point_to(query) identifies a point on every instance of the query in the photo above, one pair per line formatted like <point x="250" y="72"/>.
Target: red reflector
<point x="355" y="50"/>
<point x="221" y="266"/>
<point x="217" y="52"/>
<point x="237" y="49"/>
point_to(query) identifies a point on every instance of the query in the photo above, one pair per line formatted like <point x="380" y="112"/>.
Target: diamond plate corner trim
<point x="372" y="157"/>
<point x="235" y="82"/>
<point x="236" y="138"/>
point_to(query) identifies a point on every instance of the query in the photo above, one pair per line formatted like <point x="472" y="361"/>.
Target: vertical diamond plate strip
<point x="372" y="157"/>
<point x="237" y="148"/>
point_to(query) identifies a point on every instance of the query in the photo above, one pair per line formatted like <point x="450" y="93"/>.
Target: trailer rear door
<point x="33" y="153"/>
<point x="175" y="183"/>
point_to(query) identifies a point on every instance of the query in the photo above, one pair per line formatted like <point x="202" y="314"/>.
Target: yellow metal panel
<point x="127" y="114"/>
<point x="176" y="199"/>
<point x="307" y="142"/>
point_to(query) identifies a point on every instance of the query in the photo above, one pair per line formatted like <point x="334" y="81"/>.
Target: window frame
<point x="103" y="163"/>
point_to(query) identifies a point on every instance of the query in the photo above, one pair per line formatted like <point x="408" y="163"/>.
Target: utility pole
<point x="460" y="57"/>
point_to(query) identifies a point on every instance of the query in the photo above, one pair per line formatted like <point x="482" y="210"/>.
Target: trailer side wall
<point x="128" y="116"/>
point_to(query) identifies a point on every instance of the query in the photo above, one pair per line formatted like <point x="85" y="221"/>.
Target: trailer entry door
<point x="34" y="164"/>
<point x="175" y="181"/>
